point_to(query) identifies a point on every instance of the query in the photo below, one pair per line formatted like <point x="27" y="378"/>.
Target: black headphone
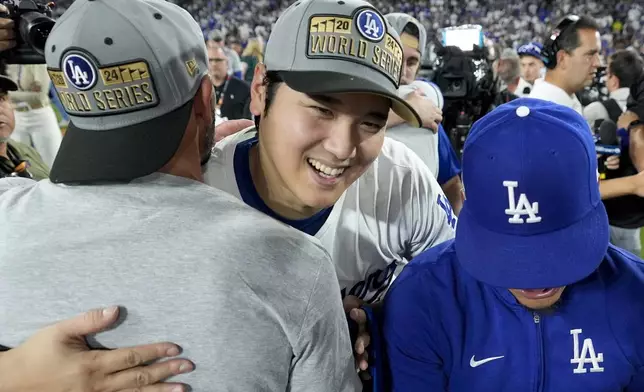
<point x="550" y="46"/>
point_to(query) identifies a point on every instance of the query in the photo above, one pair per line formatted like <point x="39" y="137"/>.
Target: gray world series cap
<point x="126" y="72"/>
<point x="329" y="46"/>
<point x="399" y="21"/>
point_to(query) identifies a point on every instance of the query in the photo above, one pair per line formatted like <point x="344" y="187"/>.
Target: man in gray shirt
<point x="126" y="219"/>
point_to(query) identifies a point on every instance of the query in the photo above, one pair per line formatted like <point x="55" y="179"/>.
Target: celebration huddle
<point x="321" y="196"/>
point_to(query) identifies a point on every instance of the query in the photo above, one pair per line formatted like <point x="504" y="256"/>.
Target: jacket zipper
<point x="540" y="374"/>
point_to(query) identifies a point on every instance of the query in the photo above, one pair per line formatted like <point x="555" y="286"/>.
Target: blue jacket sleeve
<point x="410" y="339"/>
<point x="626" y="317"/>
<point x="448" y="162"/>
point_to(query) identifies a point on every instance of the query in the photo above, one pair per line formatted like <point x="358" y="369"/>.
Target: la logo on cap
<point x="79" y="71"/>
<point x="370" y="25"/>
<point x="523" y="207"/>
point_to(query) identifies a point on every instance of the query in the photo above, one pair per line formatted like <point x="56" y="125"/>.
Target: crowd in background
<point x="508" y="23"/>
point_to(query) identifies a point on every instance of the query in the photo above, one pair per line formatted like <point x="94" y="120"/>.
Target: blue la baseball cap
<point x="531" y="49"/>
<point x="533" y="216"/>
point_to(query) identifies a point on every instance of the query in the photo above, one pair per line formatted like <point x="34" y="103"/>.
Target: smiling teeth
<point x="329" y="171"/>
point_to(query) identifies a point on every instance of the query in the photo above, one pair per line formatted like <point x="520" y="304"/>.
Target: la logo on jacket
<point x="586" y="356"/>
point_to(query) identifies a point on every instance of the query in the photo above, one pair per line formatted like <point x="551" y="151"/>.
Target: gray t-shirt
<point x="254" y="303"/>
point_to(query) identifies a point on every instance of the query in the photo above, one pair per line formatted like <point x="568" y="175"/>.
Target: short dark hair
<point x="569" y="40"/>
<point x="626" y="65"/>
<point x="411" y="29"/>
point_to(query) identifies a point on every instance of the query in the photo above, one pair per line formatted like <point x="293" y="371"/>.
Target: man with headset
<point x="571" y="56"/>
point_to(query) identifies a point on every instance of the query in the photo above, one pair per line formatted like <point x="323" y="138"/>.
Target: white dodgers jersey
<point x="394" y="211"/>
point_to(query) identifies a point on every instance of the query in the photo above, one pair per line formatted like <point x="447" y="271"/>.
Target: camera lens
<point x="34" y="30"/>
<point x="38" y="35"/>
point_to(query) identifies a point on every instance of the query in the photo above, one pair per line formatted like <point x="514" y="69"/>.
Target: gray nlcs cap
<point x="126" y="72"/>
<point x="328" y="46"/>
<point x="399" y="20"/>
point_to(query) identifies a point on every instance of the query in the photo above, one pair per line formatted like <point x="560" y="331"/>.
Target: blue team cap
<point x="533" y="216"/>
<point x="532" y="49"/>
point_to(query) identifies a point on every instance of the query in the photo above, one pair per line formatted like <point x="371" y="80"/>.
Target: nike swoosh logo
<point x="474" y="363"/>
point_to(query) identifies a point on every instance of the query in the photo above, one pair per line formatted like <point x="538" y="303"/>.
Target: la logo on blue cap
<point x="370" y="25"/>
<point x="79" y="71"/>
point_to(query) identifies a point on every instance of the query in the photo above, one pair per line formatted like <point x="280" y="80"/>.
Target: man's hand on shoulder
<point x="230" y="127"/>
<point x="57" y="359"/>
<point x="429" y="113"/>
<point x="352" y="306"/>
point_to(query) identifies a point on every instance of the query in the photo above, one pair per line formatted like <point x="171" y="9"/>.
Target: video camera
<point x="464" y="74"/>
<point x="33" y="23"/>
<point x="597" y="91"/>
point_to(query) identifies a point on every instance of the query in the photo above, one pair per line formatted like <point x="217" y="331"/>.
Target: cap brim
<point x="323" y="82"/>
<point x="7" y="84"/>
<point x="122" y="154"/>
<point x="547" y="260"/>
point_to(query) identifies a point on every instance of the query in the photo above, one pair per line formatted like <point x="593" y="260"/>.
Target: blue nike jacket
<point x="445" y="331"/>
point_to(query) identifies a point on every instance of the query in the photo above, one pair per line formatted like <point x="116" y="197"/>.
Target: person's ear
<point x="258" y="91"/>
<point x="562" y="57"/>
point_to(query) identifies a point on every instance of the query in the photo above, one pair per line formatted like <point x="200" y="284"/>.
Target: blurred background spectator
<point x="506" y="23"/>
